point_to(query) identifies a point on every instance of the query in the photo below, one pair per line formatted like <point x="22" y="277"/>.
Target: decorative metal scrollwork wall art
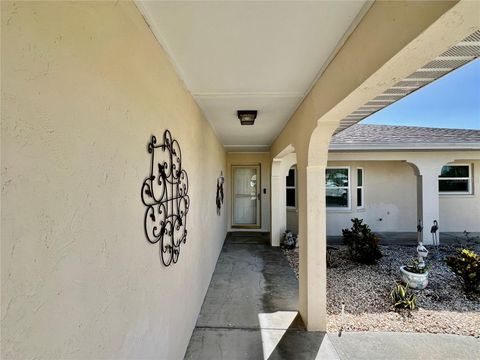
<point x="219" y="200"/>
<point x="165" y="194"/>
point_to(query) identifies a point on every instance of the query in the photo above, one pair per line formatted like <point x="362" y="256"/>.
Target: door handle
<point x="258" y="196"/>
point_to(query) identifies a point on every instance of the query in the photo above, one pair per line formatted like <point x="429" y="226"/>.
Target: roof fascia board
<point x="404" y="147"/>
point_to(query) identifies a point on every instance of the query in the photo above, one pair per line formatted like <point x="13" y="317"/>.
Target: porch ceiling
<point x="263" y="56"/>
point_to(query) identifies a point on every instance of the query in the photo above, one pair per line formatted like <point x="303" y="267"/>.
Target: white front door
<point x="246" y="196"/>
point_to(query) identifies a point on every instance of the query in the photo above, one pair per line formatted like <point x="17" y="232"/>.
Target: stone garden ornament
<point x="165" y="196"/>
<point x="415" y="274"/>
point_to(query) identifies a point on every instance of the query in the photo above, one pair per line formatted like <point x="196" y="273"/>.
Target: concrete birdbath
<point x="415" y="274"/>
<point x="414" y="280"/>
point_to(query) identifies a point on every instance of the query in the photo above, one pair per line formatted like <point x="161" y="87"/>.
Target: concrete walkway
<point x="405" y="346"/>
<point x="249" y="312"/>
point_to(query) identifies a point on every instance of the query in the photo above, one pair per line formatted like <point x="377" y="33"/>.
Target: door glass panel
<point x="245" y="196"/>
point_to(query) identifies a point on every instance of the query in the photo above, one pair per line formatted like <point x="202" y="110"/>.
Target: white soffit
<point x="239" y="55"/>
<point x="462" y="53"/>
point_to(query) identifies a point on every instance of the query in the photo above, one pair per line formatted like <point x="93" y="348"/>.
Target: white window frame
<point x="349" y="192"/>
<point x="469" y="178"/>
<point x="362" y="187"/>
<point x="294" y="187"/>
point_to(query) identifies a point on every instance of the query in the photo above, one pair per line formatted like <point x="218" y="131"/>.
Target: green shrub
<point x="466" y="264"/>
<point x="469" y="242"/>
<point x="414" y="267"/>
<point x="401" y="297"/>
<point x="362" y="243"/>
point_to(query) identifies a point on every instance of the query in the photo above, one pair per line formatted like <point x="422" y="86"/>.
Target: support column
<point x="429" y="206"/>
<point x="316" y="249"/>
<point x="276" y="206"/>
<point x="313" y="299"/>
<point x="280" y="167"/>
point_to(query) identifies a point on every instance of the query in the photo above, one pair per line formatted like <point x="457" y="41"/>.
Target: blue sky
<point x="453" y="101"/>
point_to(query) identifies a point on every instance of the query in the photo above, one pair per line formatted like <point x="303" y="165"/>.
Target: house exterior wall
<point x="389" y="193"/>
<point x="292" y="220"/>
<point x="462" y="212"/>
<point x="259" y="158"/>
<point x="84" y="86"/>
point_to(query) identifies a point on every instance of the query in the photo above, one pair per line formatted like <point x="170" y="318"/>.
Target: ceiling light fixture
<point x="247" y="117"/>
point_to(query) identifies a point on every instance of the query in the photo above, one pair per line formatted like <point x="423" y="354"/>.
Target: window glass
<point x="455" y="179"/>
<point x="453" y="185"/>
<point x="359" y="197"/>
<point x="359" y="177"/>
<point x="336" y="177"/>
<point x="291" y="189"/>
<point x="291" y="198"/>
<point x="337" y="198"/>
<point x="454" y="171"/>
<point x="291" y="178"/>
<point x="337" y="188"/>
<point x="360" y="188"/>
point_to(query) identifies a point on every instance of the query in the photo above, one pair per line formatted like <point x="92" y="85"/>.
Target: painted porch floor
<point x="249" y="312"/>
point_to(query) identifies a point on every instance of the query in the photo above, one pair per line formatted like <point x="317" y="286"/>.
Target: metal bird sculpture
<point x="433" y="231"/>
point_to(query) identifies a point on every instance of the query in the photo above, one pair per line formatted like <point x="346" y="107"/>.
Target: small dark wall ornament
<point x="165" y="195"/>
<point x="219" y="200"/>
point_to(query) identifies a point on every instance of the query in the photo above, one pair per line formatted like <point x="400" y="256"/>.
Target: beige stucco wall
<point x="292" y="220"/>
<point x="462" y="212"/>
<point x="84" y="85"/>
<point x="390" y="194"/>
<point x="258" y="158"/>
<point x="456" y="212"/>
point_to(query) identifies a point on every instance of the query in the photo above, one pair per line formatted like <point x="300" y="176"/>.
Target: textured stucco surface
<point x="390" y="194"/>
<point x="84" y="85"/>
<point x="462" y="212"/>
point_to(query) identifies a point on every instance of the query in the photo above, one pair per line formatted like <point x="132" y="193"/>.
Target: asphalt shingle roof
<point x="378" y="135"/>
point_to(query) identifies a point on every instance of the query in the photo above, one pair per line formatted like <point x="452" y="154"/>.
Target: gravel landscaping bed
<point x="364" y="290"/>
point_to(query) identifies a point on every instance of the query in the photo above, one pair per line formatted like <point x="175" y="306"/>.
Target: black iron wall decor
<point x="220" y="182"/>
<point x="165" y="194"/>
